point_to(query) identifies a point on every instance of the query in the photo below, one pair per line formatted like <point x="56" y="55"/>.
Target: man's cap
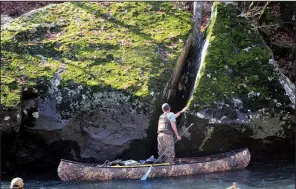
<point x="17" y="183"/>
<point x="165" y="106"/>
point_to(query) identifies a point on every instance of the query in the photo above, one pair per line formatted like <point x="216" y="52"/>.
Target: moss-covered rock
<point x="112" y="45"/>
<point x="237" y="91"/>
<point x="97" y="68"/>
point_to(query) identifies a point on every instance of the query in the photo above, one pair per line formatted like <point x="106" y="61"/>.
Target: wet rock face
<point x="71" y="126"/>
<point x="9" y="128"/>
<point x="101" y="130"/>
<point x="238" y="100"/>
<point x="10" y="120"/>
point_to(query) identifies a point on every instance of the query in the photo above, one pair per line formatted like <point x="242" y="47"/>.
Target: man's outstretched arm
<point x="182" y="111"/>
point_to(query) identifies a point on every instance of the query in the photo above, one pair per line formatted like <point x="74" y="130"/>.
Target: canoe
<point x="75" y="171"/>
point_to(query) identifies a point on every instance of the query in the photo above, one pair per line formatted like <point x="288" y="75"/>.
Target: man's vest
<point x="164" y="125"/>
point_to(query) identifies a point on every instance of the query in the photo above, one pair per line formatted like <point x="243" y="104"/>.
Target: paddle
<point x="149" y="170"/>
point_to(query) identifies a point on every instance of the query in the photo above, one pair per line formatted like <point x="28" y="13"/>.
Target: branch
<point x="291" y="46"/>
<point x="263" y="10"/>
<point x="267" y="26"/>
<point x="251" y="5"/>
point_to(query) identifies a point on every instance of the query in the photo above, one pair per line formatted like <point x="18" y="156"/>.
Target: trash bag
<point x="130" y="162"/>
<point x="151" y="159"/>
<point x="116" y="162"/>
<point x="148" y="161"/>
<point x="123" y="163"/>
<point x="142" y="161"/>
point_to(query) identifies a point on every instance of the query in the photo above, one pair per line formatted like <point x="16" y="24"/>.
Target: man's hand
<point x="184" y="109"/>
<point x="178" y="137"/>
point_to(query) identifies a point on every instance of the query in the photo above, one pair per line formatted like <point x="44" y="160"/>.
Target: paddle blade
<point x="146" y="174"/>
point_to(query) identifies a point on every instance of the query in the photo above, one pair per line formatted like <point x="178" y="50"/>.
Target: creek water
<point x="256" y="176"/>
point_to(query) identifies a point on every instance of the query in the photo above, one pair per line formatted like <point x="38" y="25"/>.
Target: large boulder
<point x="90" y="74"/>
<point x="238" y="100"/>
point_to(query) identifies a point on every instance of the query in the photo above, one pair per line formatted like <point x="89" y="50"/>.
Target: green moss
<point x="235" y="64"/>
<point x="112" y="45"/>
<point x="16" y="66"/>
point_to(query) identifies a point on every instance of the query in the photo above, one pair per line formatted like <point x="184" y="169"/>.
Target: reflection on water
<point x="260" y="177"/>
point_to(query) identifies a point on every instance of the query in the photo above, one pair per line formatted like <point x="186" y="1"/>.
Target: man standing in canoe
<point x="167" y="126"/>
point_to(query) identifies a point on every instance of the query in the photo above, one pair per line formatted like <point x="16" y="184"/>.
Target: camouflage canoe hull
<point x="74" y="171"/>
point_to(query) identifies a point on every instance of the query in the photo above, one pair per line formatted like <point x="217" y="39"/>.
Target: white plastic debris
<point x="6" y="118"/>
<point x="35" y="115"/>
